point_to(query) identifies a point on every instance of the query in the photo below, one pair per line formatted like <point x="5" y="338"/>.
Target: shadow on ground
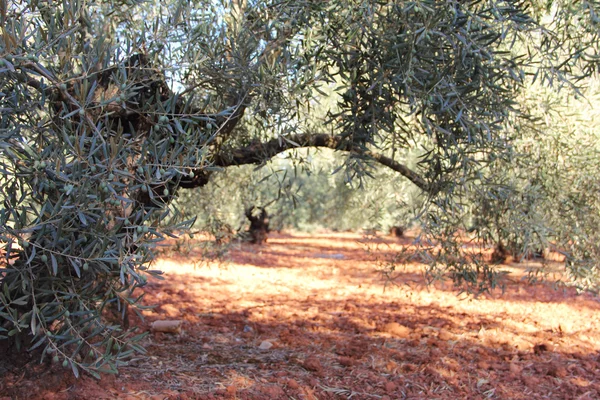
<point x="283" y="321"/>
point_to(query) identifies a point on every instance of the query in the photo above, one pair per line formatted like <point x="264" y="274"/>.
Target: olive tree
<point x="108" y="109"/>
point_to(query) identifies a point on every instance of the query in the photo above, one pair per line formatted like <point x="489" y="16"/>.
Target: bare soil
<point x="309" y="317"/>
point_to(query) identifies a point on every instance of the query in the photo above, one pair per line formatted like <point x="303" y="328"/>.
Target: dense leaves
<point x="90" y="155"/>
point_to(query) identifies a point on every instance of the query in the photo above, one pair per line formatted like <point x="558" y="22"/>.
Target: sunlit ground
<point x="309" y="317"/>
<point x="319" y="298"/>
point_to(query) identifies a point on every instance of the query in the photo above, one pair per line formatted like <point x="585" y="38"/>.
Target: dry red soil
<point x="309" y="317"/>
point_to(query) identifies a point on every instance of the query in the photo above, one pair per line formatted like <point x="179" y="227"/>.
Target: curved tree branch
<point x="260" y="152"/>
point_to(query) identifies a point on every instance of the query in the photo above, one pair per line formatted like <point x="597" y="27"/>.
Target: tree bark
<point x="261" y="152"/>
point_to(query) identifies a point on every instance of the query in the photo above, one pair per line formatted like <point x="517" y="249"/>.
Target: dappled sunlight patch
<point x="402" y="338"/>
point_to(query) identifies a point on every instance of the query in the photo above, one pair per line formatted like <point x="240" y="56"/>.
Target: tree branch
<point x="261" y="152"/>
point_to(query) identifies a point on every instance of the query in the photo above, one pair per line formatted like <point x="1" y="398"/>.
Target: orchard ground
<point x="309" y="317"/>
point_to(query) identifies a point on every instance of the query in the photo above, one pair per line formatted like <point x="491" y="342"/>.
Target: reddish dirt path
<point x="335" y="334"/>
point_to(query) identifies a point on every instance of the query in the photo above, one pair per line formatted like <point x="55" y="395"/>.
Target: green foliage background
<point x="305" y="193"/>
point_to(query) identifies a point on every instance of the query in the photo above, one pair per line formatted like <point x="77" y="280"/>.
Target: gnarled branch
<point x="261" y="152"/>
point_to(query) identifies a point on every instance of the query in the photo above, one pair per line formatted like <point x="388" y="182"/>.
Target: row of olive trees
<point x="305" y="196"/>
<point x="548" y="199"/>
